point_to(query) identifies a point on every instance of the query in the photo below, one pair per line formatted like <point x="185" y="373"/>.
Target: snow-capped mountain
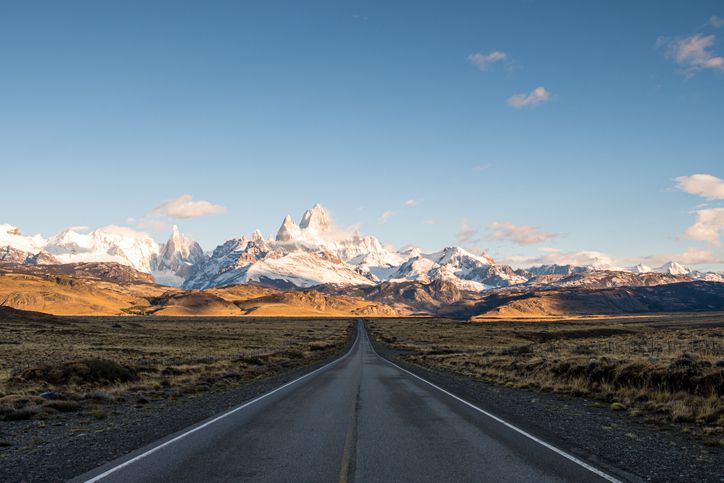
<point x="317" y="252"/>
<point x="175" y="259"/>
<point x="168" y="262"/>
<point x="312" y="253"/>
<point x="108" y="244"/>
<point x="16" y="247"/>
<point x="673" y="268"/>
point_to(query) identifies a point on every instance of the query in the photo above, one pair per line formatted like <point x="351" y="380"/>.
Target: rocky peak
<point x="287" y="231"/>
<point x="316" y="218"/>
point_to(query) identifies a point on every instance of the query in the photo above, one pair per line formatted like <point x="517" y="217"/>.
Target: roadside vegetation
<point x="665" y="369"/>
<point x="52" y="365"/>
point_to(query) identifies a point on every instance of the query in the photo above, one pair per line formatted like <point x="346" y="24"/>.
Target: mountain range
<point x="313" y="253"/>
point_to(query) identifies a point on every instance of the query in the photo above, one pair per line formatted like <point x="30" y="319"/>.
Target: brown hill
<point x="108" y="271"/>
<point x="85" y="293"/>
<point x="675" y="297"/>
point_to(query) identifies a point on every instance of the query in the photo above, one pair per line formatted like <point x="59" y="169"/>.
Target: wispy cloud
<point x="691" y="256"/>
<point x="693" y="53"/>
<point x="716" y="22"/>
<point x="466" y="233"/>
<point x="704" y="185"/>
<point x="385" y="217"/>
<point x="412" y="202"/>
<point x="709" y="226"/>
<point x="150" y="224"/>
<point x="552" y="256"/>
<point x="186" y="207"/>
<point x="536" y="96"/>
<point x="519" y="234"/>
<point x="484" y="61"/>
<point x="430" y="221"/>
<point x="479" y="168"/>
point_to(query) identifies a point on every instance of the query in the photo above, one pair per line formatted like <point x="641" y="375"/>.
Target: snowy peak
<point x="460" y="257"/>
<point x="108" y="244"/>
<point x="12" y="237"/>
<point x="641" y="268"/>
<point x="180" y="247"/>
<point x="673" y="268"/>
<point x="175" y="259"/>
<point x="317" y="219"/>
<point x="288" y="231"/>
<point x="257" y="237"/>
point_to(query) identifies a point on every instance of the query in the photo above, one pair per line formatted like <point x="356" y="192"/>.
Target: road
<point x="361" y="418"/>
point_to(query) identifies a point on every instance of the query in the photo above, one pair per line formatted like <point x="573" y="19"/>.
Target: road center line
<point x="222" y="416"/>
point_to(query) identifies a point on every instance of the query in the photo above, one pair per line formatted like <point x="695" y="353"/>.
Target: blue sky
<point x="108" y="109"/>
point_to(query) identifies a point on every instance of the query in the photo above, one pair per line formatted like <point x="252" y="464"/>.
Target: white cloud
<point x="483" y="61"/>
<point x="385" y="217"/>
<point x="716" y="22"/>
<point x="536" y="96"/>
<point x="519" y="234"/>
<point x="466" y="233"/>
<point x="186" y="207"/>
<point x="704" y="185"/>
<point x="709" y="226"/>
<point x="429" y="222"/>
<point x="411" y="202"/>
<point x="558" y="257"/>
<point x="553" y="256"/>
<point x="691" y="256"/>
<point x="692" y="53"/>
<point x="152" y="225"/>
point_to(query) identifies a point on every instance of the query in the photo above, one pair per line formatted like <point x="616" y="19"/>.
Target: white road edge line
<point x="222" y="416"/>
<point x="503" y="422"/>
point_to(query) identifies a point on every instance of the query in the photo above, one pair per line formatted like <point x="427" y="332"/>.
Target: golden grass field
<point x="665" y="368"/>
<point x="90" y="362"/>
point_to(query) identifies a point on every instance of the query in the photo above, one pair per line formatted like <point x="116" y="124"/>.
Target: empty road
<point x="360" y="418"/>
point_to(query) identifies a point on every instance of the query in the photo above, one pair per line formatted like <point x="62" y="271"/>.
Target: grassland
<point x="668" y="369"/>
<point x="87" y="364"/>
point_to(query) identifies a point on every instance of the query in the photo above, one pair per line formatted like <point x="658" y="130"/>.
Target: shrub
<point x="99" y="371"/>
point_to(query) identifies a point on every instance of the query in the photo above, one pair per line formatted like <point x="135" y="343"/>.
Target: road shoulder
<point x="615" y="442"/>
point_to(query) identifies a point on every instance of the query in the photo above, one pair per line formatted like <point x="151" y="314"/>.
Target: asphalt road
<point x="360" y="418"/>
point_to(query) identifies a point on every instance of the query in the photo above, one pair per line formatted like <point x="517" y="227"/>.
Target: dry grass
<point x="669" y="368"/>
<point x="86" y="362"/>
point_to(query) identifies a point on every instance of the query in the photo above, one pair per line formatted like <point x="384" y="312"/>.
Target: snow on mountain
<point x="175" y="259"/>
<point x="108" y="244"/>
<point x="288" y="231"/>
<point x="315" y="252"/>
<point x="12" y="239"/>
<point x="673" y="268"/>
<point x="316" y="219"/>
<point x="169" y="262"/>
<point x="312" y="253"/>
<point x="641" y="268"/>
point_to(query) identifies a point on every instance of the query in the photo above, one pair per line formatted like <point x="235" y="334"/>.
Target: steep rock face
<point x="316" y="252"/>
<point x="288" y="231"/>
<point x="317" y="219"/>
<point x="175" y="259"/>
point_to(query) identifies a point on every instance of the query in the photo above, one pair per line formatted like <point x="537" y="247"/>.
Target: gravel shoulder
<point x="70" y="444"/>
<point x="614" y="441"/>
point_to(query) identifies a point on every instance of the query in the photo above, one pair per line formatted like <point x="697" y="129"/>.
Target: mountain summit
<point x="316" y="218"/>
<point x="315" y="252"/>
